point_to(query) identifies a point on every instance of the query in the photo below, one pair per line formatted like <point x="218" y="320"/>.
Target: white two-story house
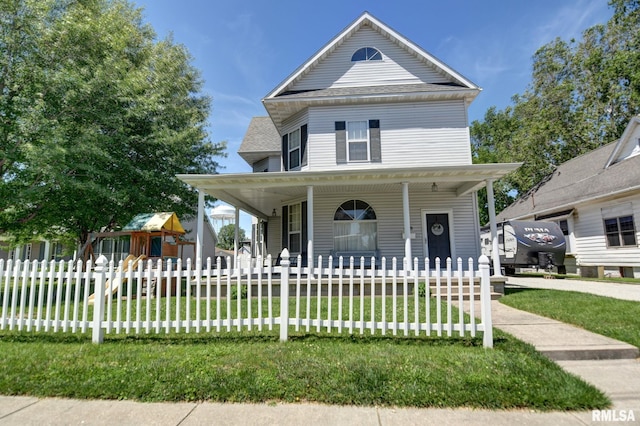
<point x="365" y="152"/>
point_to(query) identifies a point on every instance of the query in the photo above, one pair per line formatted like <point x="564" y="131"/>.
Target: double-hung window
<point x="620" y="231"/>
<point x="294" y="145"/>
<point x="294" y="149"/>
<point x="358" y="141"/>
<point x="295" y="227"/>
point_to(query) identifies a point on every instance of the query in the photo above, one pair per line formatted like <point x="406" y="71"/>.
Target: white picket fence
<point x="77" y="297"/>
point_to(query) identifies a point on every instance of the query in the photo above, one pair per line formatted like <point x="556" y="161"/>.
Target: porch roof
<point x="260" y="193"/>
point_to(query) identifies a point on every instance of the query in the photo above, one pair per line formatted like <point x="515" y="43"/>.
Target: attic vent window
<point x="366" y="54"/>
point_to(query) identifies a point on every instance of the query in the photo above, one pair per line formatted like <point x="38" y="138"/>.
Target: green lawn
<point x="618" y="319"/>
<point x="252" y="367"/>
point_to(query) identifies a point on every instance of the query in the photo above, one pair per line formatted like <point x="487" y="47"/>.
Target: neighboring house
<point x="596" y="200"/>
<point x="365" y="151"/>
<point x="115" y="246"/>
<point x="35" y="250"/>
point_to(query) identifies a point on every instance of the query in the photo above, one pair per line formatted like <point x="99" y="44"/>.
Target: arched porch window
<point x="355" y="227"/>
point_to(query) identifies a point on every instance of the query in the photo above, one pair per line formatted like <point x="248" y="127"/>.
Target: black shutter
<point x="341" y="142"/>
<point x="285" y="152"/>
<point x="374" y="141"/>
<point x="303" y="145"/>
<point x="285" y="227"/>
<point x="304" y="231"/>
<point x="265" y="236"/>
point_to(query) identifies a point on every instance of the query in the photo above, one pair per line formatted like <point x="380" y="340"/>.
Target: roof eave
<point x="273" y="105"/>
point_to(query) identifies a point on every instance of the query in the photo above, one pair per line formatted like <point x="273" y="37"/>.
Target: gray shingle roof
<point x="575" y="181"/>
<point x="261" y="138"/>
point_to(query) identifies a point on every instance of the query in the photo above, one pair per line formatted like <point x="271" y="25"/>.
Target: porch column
<point x="407" y="224"/>
<point x="495" y="256"/>
<point x="310" y="226"/>
<point x="236" y="237"/>
<point x="47" y="251"/>
<point x="200" y="225"/>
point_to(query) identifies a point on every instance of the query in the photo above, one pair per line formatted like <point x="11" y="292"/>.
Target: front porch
<point x="403" y="200"/>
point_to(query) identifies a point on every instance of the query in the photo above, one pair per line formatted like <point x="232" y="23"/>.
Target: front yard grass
<point x="358" y="370"/>
<point x="618" y="319"/>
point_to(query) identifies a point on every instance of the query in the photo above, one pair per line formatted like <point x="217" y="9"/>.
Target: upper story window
<point x="294" y="149"/>
<point x="366" y="54"/>
<point x="294" y="145"/>
<point x="358" y="141"/>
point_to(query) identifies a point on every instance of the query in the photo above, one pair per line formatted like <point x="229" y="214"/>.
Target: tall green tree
<point x="226" y="236"/>
<point x="96" y="119"/>
<point x="581" y="96"/>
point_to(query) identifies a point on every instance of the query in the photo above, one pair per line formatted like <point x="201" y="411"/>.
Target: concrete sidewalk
<point x="615" y="290"/>
<point x="619" y="378"/>
<point x="32" y="411"/>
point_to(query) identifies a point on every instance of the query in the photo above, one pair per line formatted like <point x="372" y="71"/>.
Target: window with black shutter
<point x="358" y="141"/>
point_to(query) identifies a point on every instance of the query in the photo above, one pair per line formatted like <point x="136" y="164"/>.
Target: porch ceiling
<point x="260" y="193"/>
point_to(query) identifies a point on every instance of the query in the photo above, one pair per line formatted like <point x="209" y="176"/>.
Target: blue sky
<point x="245" y="48"/>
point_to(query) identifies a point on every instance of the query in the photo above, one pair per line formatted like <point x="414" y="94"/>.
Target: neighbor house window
<point x="564" y="226"/>
<point x="355" y="227"/>
<point x="620" y="231"/>
<point x="295" y="227"/>
<point x="366" y="54"/>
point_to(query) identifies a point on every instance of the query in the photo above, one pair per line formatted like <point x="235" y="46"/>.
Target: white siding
<point x="591" y="245"/>
<point x="397" y="67"/>
<point x="412" y="134"/>
<point x="388" y="208"/>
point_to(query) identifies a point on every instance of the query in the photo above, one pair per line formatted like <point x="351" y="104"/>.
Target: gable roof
<point x="627" y="145"/>
<point x="260" y="141"/>
<point x="578" y="180"/>
<point x="284" y="101"/>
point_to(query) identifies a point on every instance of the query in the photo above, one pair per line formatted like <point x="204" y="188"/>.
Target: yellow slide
<point x="111" y="287"/>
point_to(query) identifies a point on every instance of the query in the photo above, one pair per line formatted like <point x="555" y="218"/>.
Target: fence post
<point x="485" y="296"/>
<point x="284" y="295"/>
<point x="97" y="335"/>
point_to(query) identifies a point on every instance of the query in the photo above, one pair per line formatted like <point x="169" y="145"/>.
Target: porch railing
<point x="172" y="297"/>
